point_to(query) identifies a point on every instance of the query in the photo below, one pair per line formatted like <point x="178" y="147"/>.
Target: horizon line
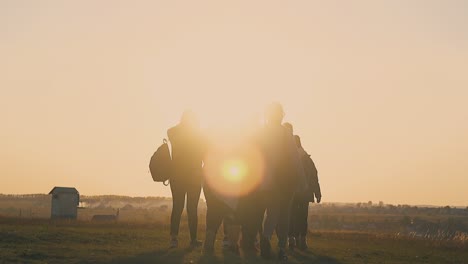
<point x="329" y="202"/>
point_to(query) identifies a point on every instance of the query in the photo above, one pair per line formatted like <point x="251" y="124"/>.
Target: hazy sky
<point x="378" y="90"/>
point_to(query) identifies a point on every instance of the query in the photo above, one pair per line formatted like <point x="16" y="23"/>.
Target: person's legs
<point x="302" y="225"/>
<point x="303" y="213"/>
<point x="234" y="231"/>
<point x="251" y="211"/>
<point x="193" y="196"/>
<point x="284" y="210"/>
<point x="270" y="223"/>
<point x="293" y="224"/>
<point x="214" y="211"/>
<point x="178" y="203"/>
<point x="283" y="222"/>
<point x="214" y="217"/>
<point x="226" y="223"/>
<point x="291" y="220"/>
<point x="272" y="216"/>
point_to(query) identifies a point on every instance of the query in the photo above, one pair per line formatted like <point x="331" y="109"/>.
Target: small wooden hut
<point x="65" y="202"/>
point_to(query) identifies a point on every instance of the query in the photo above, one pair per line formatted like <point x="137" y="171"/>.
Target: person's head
<point x="274" y="113"/>
<point x="189" y="118"/>
<point x="289" y="127"/>
<point x="298" y="141"/>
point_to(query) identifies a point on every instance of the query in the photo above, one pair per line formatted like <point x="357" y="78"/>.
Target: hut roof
<point x="63" y="190"/>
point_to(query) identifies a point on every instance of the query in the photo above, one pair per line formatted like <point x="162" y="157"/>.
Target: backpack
<point x="161" y="164"/>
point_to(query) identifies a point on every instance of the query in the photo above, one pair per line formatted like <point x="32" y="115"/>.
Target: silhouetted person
<point x="251" y="206"/>
<point x="284" y="173"/>
<point x="187" y="153"/>
<point x="228" y="208"/>
<point x="300" y="206"/>
<point x="222" y="206"/>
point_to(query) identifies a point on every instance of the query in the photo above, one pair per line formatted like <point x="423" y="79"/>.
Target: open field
<point x="339" y="233"/>
<point x="44" y="241"/>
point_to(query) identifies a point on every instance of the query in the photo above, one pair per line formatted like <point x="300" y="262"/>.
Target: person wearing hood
<point x="298" y="226"/>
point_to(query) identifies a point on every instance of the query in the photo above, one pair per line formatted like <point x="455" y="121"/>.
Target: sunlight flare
<point x="233" y="170"/>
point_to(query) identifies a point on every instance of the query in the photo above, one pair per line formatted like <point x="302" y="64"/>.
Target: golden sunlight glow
<point x="233" y="112"/>
<point x="233" y="170"/>
<point x="102" y="81"/>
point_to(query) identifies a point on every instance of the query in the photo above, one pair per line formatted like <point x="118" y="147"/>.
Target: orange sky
<point x="376" y="89"/>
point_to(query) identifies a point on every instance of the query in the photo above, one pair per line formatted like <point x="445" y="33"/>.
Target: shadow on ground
<point x="189" y="256"/>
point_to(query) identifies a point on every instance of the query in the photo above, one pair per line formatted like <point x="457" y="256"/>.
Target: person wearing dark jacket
<point x="283" y="177"/>
<point x="187" y="153"/>
<point x="300" y="205"/>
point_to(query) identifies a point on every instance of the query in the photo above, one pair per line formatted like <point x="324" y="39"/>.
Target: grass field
<point x="44" y="241"/>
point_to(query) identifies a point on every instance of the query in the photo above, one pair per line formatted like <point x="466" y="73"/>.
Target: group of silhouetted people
<point x="277" y="202"/>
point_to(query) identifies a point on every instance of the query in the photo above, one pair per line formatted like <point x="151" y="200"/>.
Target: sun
<point x="234" y="170"/>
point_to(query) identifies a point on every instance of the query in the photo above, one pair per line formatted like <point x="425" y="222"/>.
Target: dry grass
<point x="46" y="241"/>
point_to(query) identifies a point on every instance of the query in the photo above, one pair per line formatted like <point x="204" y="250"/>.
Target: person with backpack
<point x="300" y="206"/>
<point x="284" y="174"/>
<point x="188" y="146"/>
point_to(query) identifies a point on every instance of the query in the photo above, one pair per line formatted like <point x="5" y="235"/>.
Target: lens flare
<point x="233" y="170"/>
